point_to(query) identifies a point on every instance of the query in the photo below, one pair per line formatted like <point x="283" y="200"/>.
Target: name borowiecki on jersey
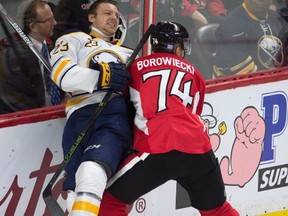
<point x="72" y="61"/>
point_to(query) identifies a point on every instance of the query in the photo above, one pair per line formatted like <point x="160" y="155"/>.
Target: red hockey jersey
<point x="168" y="94"/>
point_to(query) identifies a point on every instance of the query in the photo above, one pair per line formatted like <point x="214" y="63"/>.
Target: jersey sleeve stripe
<point x="63" y="75"/>
<point x="60" y="68"/>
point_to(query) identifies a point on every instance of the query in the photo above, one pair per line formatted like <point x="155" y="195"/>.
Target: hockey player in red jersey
<point x="170" y="140"/>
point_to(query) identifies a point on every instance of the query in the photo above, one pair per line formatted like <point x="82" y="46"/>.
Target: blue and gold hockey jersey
<point x="72" y="61"/>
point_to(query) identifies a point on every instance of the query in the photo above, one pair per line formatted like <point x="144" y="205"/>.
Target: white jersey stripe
<point x="126" y="168"/>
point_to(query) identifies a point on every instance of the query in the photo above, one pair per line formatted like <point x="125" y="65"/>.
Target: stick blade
<point x="52" y="204"/>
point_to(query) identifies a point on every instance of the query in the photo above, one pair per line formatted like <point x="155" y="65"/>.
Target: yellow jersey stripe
<point x="75" y="101"/>
<point x="277" y="213"/>
<point x="249" y="68"/>
<point x="85" y="206"/>
<point x="59" y="69"/>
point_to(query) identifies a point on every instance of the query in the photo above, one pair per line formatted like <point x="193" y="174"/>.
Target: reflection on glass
<point x="263" y="43"/>
<point x="252" y="38"/>
<point x="21" y="86"/>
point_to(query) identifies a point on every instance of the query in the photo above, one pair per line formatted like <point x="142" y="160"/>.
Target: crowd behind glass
<point x="202" y="32"/>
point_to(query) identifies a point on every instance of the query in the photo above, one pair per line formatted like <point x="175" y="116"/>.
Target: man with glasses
<point x="25" y="82"/>
<point x="71" y="14"/>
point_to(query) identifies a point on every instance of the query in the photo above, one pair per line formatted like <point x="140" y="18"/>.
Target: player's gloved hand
<point x="113" y="75"/>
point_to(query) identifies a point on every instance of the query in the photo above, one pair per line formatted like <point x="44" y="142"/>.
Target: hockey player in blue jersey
<point x="251" y="38"/>
<point x="87" y="66"/>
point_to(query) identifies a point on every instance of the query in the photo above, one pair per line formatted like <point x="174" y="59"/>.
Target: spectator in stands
<point x="202" y="12"/>
<point x="191" y="13"/>
<point x="231" y="4"/>
<point x="281" y="6"/>
<point x="165" y="9"/>
<point x="278" y="5"/>
<point x="71" y="14"/>
<point x="251" y="38"/>
<point x="194" y="14"/>
<point x="23" y="82"/>
<point x="131" y="10"/>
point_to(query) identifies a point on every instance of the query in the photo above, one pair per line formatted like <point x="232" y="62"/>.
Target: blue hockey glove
<point x="113" y="75"/>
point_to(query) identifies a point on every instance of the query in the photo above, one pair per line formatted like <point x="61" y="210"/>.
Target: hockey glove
<point x="113" y="75"/>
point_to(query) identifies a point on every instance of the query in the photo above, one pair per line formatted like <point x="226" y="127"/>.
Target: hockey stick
<point x="25" y="38"/>
<point x="51" y="203"/>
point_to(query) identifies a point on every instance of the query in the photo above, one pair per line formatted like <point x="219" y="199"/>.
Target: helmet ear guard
<point x="120" y="34"/>
<point x="167" y="34"/>
<point x="158" y="46"/>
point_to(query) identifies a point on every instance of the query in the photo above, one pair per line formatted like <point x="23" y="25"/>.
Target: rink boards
<point x="247" y="120"/>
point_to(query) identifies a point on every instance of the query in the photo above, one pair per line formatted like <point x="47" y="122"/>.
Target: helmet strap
<point x="100" y="34"/>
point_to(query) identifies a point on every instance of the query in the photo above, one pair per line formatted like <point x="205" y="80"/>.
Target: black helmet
<point x="166" y="35"/>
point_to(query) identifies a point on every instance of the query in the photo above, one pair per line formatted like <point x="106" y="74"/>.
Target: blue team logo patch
<point x="103" y="56"/>
<point x="270" y="52"/>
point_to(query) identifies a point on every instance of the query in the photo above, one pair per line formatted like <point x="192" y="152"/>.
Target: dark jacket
<point x="71" y="14"/>
<point x="21" y="83"/>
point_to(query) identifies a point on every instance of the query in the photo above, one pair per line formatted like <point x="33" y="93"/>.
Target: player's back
<point x="168" y="93"/>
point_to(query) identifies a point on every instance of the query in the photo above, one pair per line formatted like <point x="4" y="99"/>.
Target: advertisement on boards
<point x="248" y="131"/>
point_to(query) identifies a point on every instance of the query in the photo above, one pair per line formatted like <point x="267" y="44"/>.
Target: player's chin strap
<point x="99" y="34"/>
